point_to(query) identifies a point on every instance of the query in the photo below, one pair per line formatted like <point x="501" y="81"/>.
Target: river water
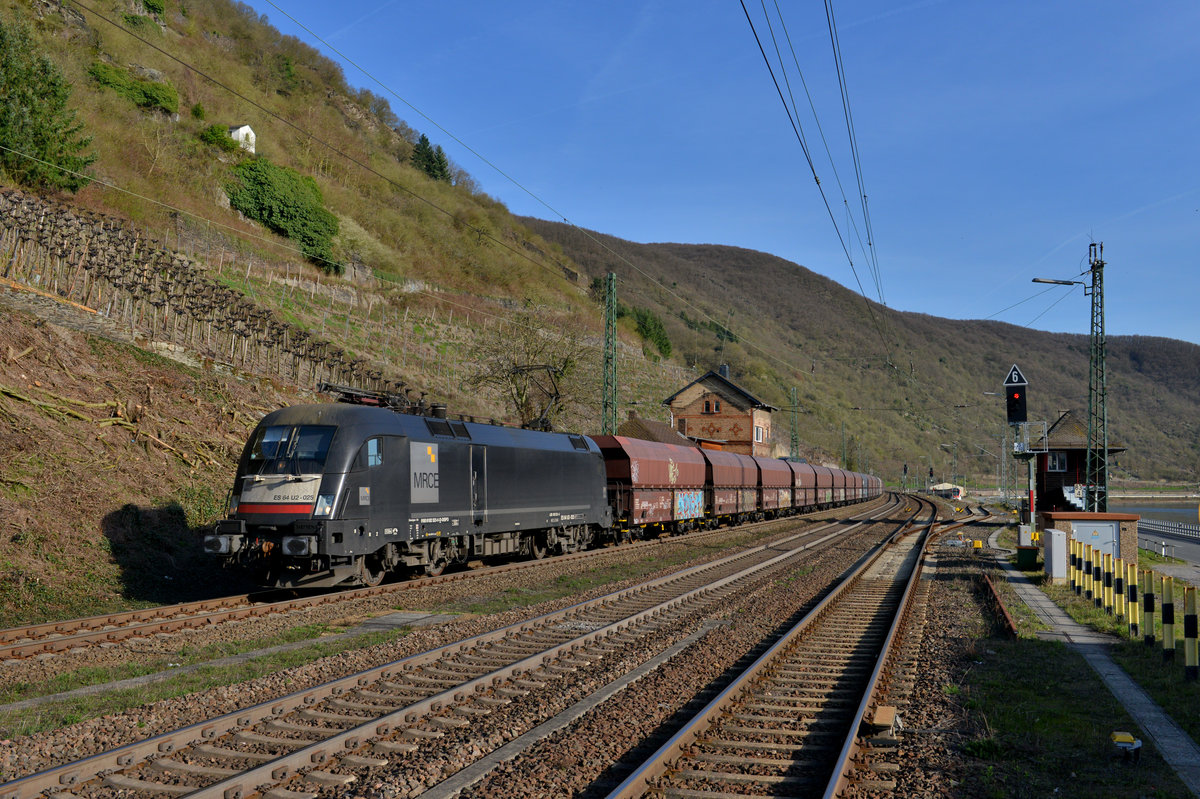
<point x="1185" y="511"/>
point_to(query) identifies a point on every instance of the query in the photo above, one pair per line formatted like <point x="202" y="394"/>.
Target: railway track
<point x="790" y="724"/>
<point x="52" y="638"/>
<point x="303" y="743"/>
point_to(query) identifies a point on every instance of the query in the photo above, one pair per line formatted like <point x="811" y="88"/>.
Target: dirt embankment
<point x="111" y="460"/>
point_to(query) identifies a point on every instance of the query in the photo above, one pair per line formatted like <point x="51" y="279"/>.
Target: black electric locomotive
<point x="344" y="493"/>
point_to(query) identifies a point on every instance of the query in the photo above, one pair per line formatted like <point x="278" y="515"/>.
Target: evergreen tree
<point x="431" y="160"/>
<point x="35" y="119"/>
<point x="422" y="156"/>
<point x="441" y="165"/>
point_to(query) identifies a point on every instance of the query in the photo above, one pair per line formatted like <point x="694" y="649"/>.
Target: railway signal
<point x="1014" y="396"/>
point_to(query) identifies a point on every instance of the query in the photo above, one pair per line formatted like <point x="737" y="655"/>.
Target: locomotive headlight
<point x="299" y="545"/>
<point x="324" y="505"/>
<point x="233" y="504"/>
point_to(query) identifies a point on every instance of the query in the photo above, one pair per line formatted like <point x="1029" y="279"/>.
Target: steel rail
<point x="60" y="636"/>
<point x="659" y="764"/>
<point x="843" y="767"/>
<point x="206" y="732"/>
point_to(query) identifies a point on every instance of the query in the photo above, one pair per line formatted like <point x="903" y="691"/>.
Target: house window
<point x="1056" y="462"/>
<point x="758" y="434"/>
<point x="683" y="426"/>
<point x="707" y="406"/>
<point x="717" y="406"/>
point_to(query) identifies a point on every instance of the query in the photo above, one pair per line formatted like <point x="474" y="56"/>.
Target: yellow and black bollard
<point x="1106" y="575"/>
<point x="1073" y="584"/>
<point x="1098" y="577"/>
<point x="1135" y="608"/>
<point x="1191" y="652"/>
<point x="1119" y="607"/>
<point x="1148" y="607"/>
<point x="1087" y="571"/>
<point x="1168" y="618"/>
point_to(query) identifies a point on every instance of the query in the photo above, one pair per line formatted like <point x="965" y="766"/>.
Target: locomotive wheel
<point x="437" y="560"/>
<point x="537" y="546"/>
<point x="371" y="570"/>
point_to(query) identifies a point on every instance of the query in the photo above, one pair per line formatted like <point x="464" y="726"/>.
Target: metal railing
<point x="1147" y="526"/>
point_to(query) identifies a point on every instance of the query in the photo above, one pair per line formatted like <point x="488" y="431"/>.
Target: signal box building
<point x="1061" y="471"/>
<point x="718" y="412"/>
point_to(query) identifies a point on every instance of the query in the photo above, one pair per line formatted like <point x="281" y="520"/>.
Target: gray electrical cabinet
<point x="1103" y="535"/>
<point x="1056" y="554"/>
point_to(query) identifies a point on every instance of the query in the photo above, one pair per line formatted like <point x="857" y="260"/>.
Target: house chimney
<point x="723" y="370"/>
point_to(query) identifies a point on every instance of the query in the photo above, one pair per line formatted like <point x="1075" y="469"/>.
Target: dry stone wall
<point x="160" y="295"/>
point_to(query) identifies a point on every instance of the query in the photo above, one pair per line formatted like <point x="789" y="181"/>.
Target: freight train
<point x="345" y="493"/>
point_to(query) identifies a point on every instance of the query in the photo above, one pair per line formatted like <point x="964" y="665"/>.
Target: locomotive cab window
<point x="290" y="449"/>
<point x="370" y="454"/>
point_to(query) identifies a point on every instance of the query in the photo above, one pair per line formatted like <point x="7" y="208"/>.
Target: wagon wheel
<point x="371" y="569"/>
<point x="437" y="559"/>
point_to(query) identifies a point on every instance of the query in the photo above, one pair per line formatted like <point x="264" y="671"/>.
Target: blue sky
<point x="996" y="139"/>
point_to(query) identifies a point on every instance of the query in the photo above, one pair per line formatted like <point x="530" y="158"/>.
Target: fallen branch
<point x="14" y="357"/>
<point x="44" y="406"/>
<point x="138" y="431"/>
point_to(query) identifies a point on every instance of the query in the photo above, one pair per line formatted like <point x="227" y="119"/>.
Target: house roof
<point x="1071" y="432"/>
<point x="726" y="388"/>
<point x="650" y="430"/>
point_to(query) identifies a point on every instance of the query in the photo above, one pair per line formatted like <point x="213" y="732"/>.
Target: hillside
<point x="114" y="454"/>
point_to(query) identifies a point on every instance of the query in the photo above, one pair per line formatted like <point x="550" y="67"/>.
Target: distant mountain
<point x="907" y="386"/>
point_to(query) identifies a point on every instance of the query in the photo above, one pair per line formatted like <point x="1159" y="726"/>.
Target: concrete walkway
<point x="1175" y="746"/>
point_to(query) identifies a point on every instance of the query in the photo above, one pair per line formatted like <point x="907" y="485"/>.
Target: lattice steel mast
<point x="795" y="448"/>
<point x="1097" y="443"/>
<point x="608" y="413"/>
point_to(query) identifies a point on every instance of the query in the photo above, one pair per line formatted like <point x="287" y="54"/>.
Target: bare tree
<point x="533" y="360"/>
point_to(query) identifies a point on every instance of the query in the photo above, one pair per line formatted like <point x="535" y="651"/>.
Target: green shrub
<point x="650" y="327"/>
<point x="218" y="136"/>
<point x="142" y="93"/>
<point x="140" y="23"/>
<point x="289" y="204"/>
<point x="154" y="6"/>
<point x="198" y="112"/>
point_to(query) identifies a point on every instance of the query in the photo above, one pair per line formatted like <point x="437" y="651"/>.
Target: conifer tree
<point x="422" y="156"/>
<point x="441" y="165"/>
<point x="39" y="134"/>
<point x="431" y="160"/>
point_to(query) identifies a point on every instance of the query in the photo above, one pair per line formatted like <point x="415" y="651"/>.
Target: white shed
<point x="243" y="135"/>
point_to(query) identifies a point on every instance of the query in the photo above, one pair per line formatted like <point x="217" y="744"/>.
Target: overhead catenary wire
<point x="797" y="129"/>
<point x="853" y="142"/>
<point x="851" y="222"/>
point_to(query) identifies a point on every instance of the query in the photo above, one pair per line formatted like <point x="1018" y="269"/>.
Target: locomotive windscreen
<point x="290" y="449"/>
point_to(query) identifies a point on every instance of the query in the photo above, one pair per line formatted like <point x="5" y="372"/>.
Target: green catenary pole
<point x="608" y="417"/>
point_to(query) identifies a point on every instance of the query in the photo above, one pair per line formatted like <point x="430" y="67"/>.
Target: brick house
<point x="714" y="409"/>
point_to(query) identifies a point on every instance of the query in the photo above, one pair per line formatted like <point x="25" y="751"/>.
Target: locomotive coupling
<point x="227" y="537"/>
